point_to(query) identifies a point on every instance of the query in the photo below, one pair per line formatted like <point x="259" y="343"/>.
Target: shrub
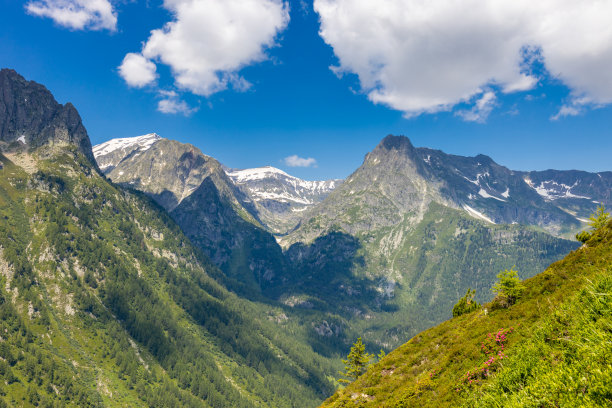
<point x="583" y="236"/>
<point x="466" y="304"/>
<point x="508" y="288"/>
<point x="493" y="349"/>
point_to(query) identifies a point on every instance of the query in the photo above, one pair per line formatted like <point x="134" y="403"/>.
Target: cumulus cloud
<point x="172" y="104"/>
<point x="210" y="41"/>
<point x="76" y="14"/>
<point x="137" y="71"/>
<point x="297" y="161"/>
<point x="428" y="56"/>
<point x="481" y="109"/>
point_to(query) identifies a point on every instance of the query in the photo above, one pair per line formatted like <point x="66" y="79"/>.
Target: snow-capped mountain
<point x="279" y="198"/>
<point x="274" y="188"/>
<point x="193" y="187"/>
<point x="274" y="197"/>
<point x="556" y="200"/>
<point x="110" y="154"/>
<point x="398" y="178"/>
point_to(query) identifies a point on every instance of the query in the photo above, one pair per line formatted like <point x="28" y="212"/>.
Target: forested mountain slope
<point x="105" y="302"/>
<point x="391" y="250"/>
<point x="550" y="349"/>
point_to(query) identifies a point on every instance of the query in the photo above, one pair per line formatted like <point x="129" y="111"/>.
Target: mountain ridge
<point x="367" y="248"/>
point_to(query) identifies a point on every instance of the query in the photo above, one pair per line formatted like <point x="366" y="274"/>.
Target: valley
<point x="143" y="272"/>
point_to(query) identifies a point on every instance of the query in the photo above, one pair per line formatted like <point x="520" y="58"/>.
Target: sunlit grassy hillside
<point x="553" y="348"/>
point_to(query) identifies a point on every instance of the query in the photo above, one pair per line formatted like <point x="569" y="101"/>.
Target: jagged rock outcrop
<point x="31" y="118"/>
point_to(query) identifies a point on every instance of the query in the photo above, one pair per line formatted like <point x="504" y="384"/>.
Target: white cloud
<point x="172" y="104"/>
<point x="566" y="110"/>
<point x="76" y="14"/>
<point x="297" y="161"/>
<point x="575" y="107"/>
<point x="428" y="56"/>
<point x="481" y="109"/>
<point x="209" y="41"/>
<point x="137" y="71"/>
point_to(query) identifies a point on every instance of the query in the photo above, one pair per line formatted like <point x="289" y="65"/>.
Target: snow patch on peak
<point x="22" y="139"/>
<point x="478" y="177"/>
<point x="259" y="173"/>
<point x="268" y="183"/>
<point x="484" y="194"/>
<point x="506" y="193"/>
<point x="477" y="214"/>
<point x="552" y="190"/>
<point x="143" y="143"/>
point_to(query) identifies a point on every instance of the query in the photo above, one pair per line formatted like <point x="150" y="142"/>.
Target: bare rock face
<point x="31" y="118"/>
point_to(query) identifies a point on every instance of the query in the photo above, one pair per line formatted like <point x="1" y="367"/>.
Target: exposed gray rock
<point x="31" y="118"/>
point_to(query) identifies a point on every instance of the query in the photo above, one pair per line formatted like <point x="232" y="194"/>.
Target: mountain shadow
<point x="321" y="275"/>
<point x="248" y="255"/>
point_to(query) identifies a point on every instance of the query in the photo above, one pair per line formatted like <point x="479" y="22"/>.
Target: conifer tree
<point x="597" y="220"/>
<point x="356" y="362"/>
<point x="508" y="287"/>
<point x="466" y="304"/>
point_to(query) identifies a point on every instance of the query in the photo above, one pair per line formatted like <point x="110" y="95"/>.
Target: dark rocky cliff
<point x="31" y="118"/>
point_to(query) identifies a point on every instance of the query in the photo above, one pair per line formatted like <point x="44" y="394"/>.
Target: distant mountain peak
<point x="144" y="142"/>
<point x="395" y="142"/>
<point x="280" y="198"/>
<point x="256" y="173"/>
<point x="110" y="153"/>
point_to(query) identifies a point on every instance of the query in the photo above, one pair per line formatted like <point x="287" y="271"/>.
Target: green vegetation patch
<point x="556" y="351"/>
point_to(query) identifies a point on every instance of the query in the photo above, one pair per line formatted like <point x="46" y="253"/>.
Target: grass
<point x="558" y="353"/>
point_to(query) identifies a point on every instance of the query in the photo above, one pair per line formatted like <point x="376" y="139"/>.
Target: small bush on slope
<point x="466" y="304"/>
<point x="404" y="378"/>
<point x="508" y="288"/>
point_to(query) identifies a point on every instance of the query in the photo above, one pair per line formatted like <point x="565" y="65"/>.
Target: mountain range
<point x="142" y="272"/>
<point x="368" y="248"/>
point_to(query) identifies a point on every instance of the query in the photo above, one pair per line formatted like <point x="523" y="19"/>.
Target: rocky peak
<point x="110" y="154"/>
<point x="30" y="117"/>
<point x="392" y="142"/>
<point x="395" y="153"/>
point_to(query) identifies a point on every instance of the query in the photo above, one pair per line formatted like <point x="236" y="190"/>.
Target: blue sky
<point x="531" y="99"/>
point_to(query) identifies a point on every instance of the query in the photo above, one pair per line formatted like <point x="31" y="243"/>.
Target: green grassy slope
<point x="104" y="302"/>
<point x="557" y="347"/>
